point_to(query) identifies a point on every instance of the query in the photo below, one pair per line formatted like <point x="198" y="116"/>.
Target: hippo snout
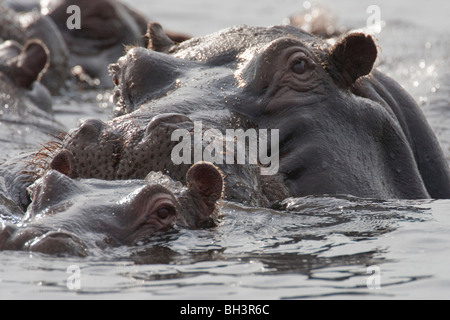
<point x="90" y="129"/>
<point x="57" y="243"/>
<point x="91" y="144"/>
<point x="38" y="239"/>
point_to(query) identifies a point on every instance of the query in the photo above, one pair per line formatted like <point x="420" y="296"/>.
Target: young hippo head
<point x="72" y="216"/>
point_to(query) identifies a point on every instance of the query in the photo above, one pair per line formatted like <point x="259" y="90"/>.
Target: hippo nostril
<point x="113" y="72"/>
<point x="55" y="242"/>
<point x="115" y="80"/>
<point x="64" y="162"/>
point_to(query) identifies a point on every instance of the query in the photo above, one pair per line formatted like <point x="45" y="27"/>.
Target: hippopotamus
<point x="344" y="127"/>
<point x="26" y="119"/>
<point x="24" y="26"/>
<point x="106" y="26"/>
<point x="75" y="217"/>
<point x="21" y="68"/>
<point x="82" y="52"/>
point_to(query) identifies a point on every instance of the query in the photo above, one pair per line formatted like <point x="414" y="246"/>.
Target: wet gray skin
<point x="21" y="68"/>
<point x="106" y="27"/>
<point x="73" y="217"/>
<point x="24" y="26"/>
<point x="344" y="128"/>
<point x="26" y="120"/>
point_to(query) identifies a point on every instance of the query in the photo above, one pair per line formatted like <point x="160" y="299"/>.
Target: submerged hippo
<point x="26" y="119"/>
<point x="23" y="99"/>
<point x="84" y="51"/>
<point x="72" y="217"/>
<point x="106" y="26"/>
<point x="344" y="128"/>
<point x="25" y="26"/>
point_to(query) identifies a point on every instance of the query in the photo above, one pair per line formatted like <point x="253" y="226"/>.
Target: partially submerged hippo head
<point x="83" y="36"/>
<point x="21" y="68"/>
<point x="343" y="127"/>
<point x="22" y="26"/>
<point x="69" y="216"/>
<point x="105" y="27"/>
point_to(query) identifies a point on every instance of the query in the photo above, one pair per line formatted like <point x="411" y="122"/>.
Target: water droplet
<point x="286" y="21"/>
<point x="423" y="100"/>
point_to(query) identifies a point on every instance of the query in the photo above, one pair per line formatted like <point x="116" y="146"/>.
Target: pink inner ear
<point x="206" y="179"/>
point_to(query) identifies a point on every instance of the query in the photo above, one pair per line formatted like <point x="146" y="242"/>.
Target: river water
<point x="313" y="247"/>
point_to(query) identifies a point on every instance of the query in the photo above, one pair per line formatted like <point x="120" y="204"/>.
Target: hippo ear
<point x="351" y="58"/>
<point x="158" y="40"/>
<point x="64" y="162"/>
<point x="31" y="63"/>
<point x="205" y="180"/>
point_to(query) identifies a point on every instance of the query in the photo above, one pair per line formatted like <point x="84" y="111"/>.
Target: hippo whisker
<point x="40" y="161"/>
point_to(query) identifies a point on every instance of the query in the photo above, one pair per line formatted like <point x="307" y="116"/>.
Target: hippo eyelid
<point x="300" y="56"/>
<point x="164" y="199"/>
<point x="300" y="66"/>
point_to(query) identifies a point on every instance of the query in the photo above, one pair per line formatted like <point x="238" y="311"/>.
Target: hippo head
<point x="21" y="68"/>
<point x="69" y="216"/>
<point x="104" y="27"/>
<point x="344" y="128"/>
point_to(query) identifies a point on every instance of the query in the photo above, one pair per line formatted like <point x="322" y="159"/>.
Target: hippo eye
<point x="299" y="67"/>
<point x="165" y="212"/>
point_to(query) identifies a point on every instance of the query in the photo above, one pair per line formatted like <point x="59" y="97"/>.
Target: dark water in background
<point x="315" y="247"/>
